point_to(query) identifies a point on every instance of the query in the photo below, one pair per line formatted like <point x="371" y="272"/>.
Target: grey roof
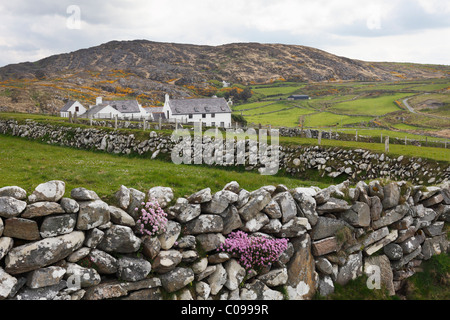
<point x="94" y="110"/>
<point x="124" y="106"/>
<point x="196" y="106"/>
<point x="154" y="109"/>
<point x="67" y="106"/>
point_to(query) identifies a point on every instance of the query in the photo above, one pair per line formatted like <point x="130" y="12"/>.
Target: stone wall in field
<point x="71" y="245"/>
<point x="297" y="160"/>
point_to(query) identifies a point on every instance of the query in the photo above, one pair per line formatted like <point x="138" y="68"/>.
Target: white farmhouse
<point x="72" y="106"/>
<point x="212" y="112"/>
<point x="122" y="109"/>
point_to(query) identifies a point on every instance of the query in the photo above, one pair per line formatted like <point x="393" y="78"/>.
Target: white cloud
<point x="356" y="28"/>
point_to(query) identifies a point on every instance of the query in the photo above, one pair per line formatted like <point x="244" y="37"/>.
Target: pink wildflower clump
<point x="254" y="252"/>
<point x="153" y="219"/>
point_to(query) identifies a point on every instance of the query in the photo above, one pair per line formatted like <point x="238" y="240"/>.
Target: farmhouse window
<point x="203" y="115"/>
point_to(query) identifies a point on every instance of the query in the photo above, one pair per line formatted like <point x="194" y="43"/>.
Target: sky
<point x="379" y="30"/>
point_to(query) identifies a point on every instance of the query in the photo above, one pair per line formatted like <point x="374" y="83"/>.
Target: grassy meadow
<point x="28" y="163"/>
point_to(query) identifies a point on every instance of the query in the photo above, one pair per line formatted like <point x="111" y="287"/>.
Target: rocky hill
<point x="149" y="69"/>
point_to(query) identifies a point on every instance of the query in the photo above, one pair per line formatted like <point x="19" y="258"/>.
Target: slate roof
<point x="154" y="109"/>
<point x="94" y="110"/>
<point x="199" y="106"/>
<point x="67" y="106"/>
<point x="124" y="106"/>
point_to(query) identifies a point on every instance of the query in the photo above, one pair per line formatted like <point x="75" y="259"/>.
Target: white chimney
<point x="167" y="97"/>
<point x="98" y="101"/>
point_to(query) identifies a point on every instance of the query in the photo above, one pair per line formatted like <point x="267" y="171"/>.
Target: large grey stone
<point x="210" y="241"/>
<point x="177" y="279"/>
<point x="358" y="215"/>
<point x="92" y="214"/>
<point x="166" y="261"/>
<point x="104" y="262"/>
<point x="257" y="201"/>
<point x="51" y="191"/>
<point x="42" y="253"/>
<point x="333" y="205"/>
<point x="136" y="199"/>
<point x="206" y="223"/>
<point x="391" y="193"/>
<point x="24" y="229"/>
<point x="306" y="204"/>
<point x="235" y="274"/>
<point x="294" y="228"/>
<point x="170" y="236"/>
<point x="217" y="279"/>
<point x="120" y="216"/>
<point x="275" y="277"/>
<point x="287" y="205"/>
<point x="6" y="244"/>
<point x="45" y="277"/>
<point x="327" y="227"/>
<point x="83" y="194"/>
<point x="45" y="293"/>
<point x="133" y="269"/>
<point x="11" y="207"/>
<point x="393" y="251"/>
<point x="7" y="283"/>
<point x="14" y="192"/>
<point x="434" y="246"/>
<point x="219" y="202"/>
<point x="302" y="277"/>
<point x="123" y="197"/>
<point x="42" y="209"/>
<point x="391" y="216"/>
<point x="256" y="223"/>
<point x="379" y="266"/>
<point x="273" y="210"/>
<point x="201" y="196"/>
<point x="53" y="226"/>
<point x="231" y="219"/>
<point x="352" y="269"/>
<point x="81" y="277"/>
<point x="120" y="239"/>
<point x="189" y="212"/>
<point x="257" y="290"/>
<point x="163" y="195"/>
<point x="69" y="205"/>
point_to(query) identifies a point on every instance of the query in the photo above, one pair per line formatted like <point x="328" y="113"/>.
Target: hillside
<point x="147" y="70"/>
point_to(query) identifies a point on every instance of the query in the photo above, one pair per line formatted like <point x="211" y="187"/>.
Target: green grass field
<point x="28" y="163"/>
<point x="370" y="106"/>
<point x="352" y="104"/>
<point x="277" y="90"/>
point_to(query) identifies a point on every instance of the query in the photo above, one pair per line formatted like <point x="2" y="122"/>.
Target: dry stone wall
<point x="59" y="247"/>
<point x="333" y="162"/>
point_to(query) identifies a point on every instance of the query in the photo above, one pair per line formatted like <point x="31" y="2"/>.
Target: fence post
<point x="386" y="145"/>
<point x="381" y="141"/>
<point x="70" y="116"/>
<point x="90" y="121"/>
<point x="406" y="141"/>
<point x="319" y="138"/>
<point x="356" y="135"/>
<point x="115" y="121"/>
<point x="160" y="119"/>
